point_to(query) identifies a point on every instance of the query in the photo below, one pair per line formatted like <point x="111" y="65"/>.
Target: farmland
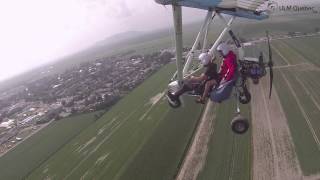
<point x="284" y="140"/>
<point x="228" y="157"/>
<point x="32" y="152"/>
<point x="297" y="85"/>
<point x="301" y="84"/>
<point x="116" y="145"/>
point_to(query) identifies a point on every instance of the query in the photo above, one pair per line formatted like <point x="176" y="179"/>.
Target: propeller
<point x="270" y="64"/>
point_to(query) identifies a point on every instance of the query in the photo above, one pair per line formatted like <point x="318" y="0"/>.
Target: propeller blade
<point x="271" y="82"/>
<point x="270" y="64"/>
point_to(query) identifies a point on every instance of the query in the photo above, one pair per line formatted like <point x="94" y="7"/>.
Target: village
<point x="91" y="86"/>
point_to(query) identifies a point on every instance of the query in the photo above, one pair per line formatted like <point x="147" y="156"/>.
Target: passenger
<point x="229" y="64"/>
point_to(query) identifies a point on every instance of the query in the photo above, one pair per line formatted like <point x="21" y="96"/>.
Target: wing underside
<point x="250" y="5"/>
<point x="242" y="8"/>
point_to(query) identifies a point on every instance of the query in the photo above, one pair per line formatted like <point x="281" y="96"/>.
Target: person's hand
<point x="223" y="81"/>
<point x="214" y="58"/>
<point x="200" y="100"/>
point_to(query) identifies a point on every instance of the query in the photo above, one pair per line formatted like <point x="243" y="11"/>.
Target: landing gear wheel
<point x="174" y="104"/>
<point x="245" y="96"/>
<point x="239" y="125"/>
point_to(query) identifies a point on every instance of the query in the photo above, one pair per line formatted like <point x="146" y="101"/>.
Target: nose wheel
<point x="174" y="104"/>
<point x="239" y="125"/>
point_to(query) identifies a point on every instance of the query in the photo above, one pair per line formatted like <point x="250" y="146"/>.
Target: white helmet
<point x="224" y="48"/>
<point x="205" y="58"/>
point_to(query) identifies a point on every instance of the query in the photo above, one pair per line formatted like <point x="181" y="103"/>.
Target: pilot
<point x="210" y="77"/>
<point x="207" y="79"/>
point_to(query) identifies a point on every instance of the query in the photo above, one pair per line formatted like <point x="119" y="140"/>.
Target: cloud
<point x="43" y="30"/>
<point x="124" y="9"/>
<point x="110" y="8"/>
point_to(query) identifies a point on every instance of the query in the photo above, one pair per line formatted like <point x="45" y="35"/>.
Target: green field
<point x="31" y="153"/>
<point x="305" y="145"/>
<point x="134" y="140"/>
<point x="298" y="91"/>
<point x="229" y="155"/>
<point x="297" y="86"/>
<point x="141" y="137"/>
<point x="307" y="49"/>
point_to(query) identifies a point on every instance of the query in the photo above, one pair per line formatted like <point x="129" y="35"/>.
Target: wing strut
<point x="204" y="29"/>
<point x="205" y="39"/>
<point x="177" y="19"/>
<point x="225" y="30"/>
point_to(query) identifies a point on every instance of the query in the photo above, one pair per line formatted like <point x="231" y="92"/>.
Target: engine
<point x="253" y="69"/>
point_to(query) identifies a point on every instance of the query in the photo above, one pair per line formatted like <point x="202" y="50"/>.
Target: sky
<point x="35" y="32"/>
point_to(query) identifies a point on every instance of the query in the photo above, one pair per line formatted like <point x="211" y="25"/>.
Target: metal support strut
<point x="225" y="30"/>
<point x="204" y="28"/>
<point x="177" y="18"/>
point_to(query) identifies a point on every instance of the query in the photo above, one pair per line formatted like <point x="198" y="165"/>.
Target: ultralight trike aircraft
<point x="247" y="67"/>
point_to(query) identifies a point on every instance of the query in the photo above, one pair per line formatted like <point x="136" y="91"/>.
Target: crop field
<point x="283" y="142"/>
<point x="298" y="84"/>
<point x="229" y="155"/>
<point x="140" y="138"/>
<point x="35" y="150"/>
<point x="292" y="134"/>
<point x="307" y="48"/>
<point x="292" y="138"/>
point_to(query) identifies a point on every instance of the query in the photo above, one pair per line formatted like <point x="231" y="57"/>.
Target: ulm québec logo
<point x="273" y="5"/>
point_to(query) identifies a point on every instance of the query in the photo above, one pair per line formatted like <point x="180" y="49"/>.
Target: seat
<point x="223" y="91"/>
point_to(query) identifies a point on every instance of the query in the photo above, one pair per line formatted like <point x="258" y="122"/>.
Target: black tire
<point x="239" y="125"/>
<point x="175" y="105"/>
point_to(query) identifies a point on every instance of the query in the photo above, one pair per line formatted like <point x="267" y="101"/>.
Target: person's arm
<point x="230" y="71"/>
<point x="223" y="70"/>
<point x="200" y="78"/>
